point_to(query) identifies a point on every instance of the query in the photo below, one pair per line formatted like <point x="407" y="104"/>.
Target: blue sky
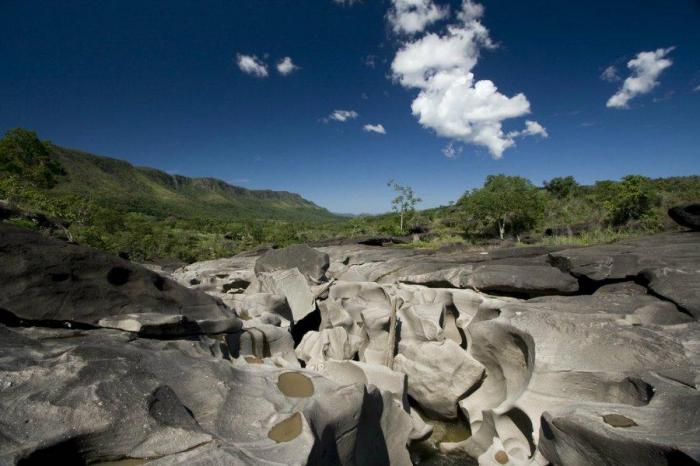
<point x="159" y="84"/>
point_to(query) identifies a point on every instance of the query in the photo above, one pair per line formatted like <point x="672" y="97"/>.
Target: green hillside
<point x="121" y="186"/>
<point x="147" y="214"/>
<point x="144" y="213"/>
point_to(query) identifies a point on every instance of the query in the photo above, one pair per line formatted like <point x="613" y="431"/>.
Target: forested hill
<point x="122" y="186"/>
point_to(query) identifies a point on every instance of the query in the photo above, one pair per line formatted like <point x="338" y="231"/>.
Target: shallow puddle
<point x="295" y="385"/>
<point x="286" y="430"/>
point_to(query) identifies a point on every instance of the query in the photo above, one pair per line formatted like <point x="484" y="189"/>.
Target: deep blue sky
<point x="156" y="83"/>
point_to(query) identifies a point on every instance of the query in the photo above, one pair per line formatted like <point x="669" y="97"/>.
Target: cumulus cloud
<point x="610" y="74"/>
<point x="646" y="68"/>
<point x="286" y="66"/>
<point x="375" y="129"/>
<point x="413" y="16"/>
<point x="451" y="101"/>
<point x="250" y="64"/>
<point x="341" y="115"/>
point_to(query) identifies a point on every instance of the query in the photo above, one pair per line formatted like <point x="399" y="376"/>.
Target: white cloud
<point x="341" y="116"/>
<point x="413" y="16"/>
<point x="697" y="88"/>
<point x="286" y="66"/>
<point x="450" y="100"/>
<point x="250" y="64"/>
<point x="610" y="74"/>
<point x="646" y="68"/>
<point x="451" y="152"/>
<point x="374" y="129"/>
<point x="532" y="128"/>
<point x="346" y="2"/>
<point x="470" y="11"/>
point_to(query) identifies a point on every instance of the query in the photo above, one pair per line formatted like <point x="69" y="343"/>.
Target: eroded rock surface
<point x="325" y="356"/>
<point x="48" y="281"/>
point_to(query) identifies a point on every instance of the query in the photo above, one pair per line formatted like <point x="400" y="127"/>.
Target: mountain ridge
<point x="119" y="184"/>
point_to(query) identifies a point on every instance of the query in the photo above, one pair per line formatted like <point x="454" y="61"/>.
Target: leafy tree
<point x="561" y="187"/>
<point x="632" y="199"/>
<point x="405" y="201"/>
<point x="24" y="155"/>
<point x="504" y="202"/>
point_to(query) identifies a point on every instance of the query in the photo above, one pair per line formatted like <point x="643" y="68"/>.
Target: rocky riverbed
<point x="352" y="354"/>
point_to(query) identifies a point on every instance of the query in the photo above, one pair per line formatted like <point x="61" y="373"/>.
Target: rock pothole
<point x="295" y="385"/>
<point x="501" y="457"/>
<point x="618" y="420"/>
<point x="118" y="276"/>
<point x="287" y="430"/>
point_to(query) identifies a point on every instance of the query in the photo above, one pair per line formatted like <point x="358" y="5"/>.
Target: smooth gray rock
<point x="327" y="344"/>
<point x="495" y="278"/>
<point x="668" y="262"/>
<point x="629" y="288"/>
<point x="540" y="359"/>
<point x="439" y="374"/>
<point x="682" y="286"/>
<point x="686" y="216"/>
<point x="499" y="278"/>
<point x="43" y="279"/>
<point x="293" y="286"/>
<point x="310" y="262"/>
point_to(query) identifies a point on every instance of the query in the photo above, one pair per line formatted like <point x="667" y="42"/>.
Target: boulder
<point x="530" y="279"/>
<point x="355" y="297"/>
<point x="293" y="286"/>
<point x="501" y="278"/>
<point x="629" y="288"/>
<point x="327" y="344"/>
<point x="252" y="305"/>
<point x="421" y="322"/>
<point x="310" y="262"/>
<point x="439" y="375"/>
<point x="686" y="216"/>
<point x="50" y="281"/>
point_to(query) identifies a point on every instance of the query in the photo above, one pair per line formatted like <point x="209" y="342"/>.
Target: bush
<point x="632" y="199"/>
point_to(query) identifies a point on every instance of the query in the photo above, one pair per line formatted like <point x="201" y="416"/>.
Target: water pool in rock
<point x="427" y="452"/>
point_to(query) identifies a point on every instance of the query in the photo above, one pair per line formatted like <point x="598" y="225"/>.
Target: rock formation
<point x="570" y="356"/>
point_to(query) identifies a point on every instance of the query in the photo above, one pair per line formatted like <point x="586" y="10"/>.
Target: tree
<point x="24" y="155"/>
<point x="405" y="201"/>
<point x="504" y="201"/>
<point x="561" y="187"/>
<point x="631" y="199"/>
